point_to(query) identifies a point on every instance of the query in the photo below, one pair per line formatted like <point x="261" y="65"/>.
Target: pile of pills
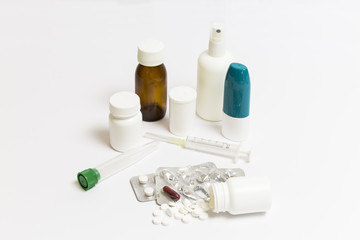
<point x="184" y="210"/>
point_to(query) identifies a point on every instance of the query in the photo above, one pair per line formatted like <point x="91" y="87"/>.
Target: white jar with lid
<point x="241" y="195"/>
<point x="182" y="110"/>
<point x="125" y="121"/>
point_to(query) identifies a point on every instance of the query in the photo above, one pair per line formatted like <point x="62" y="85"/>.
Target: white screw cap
<point x="124" y="104"/>
<point x="151" y="53"/>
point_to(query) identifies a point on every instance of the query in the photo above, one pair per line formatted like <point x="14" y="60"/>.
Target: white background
<point x="60" y="61"/>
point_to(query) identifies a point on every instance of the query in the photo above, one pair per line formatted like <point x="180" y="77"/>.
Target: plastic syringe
<point x="233" y="151"/>
<point x="90" y="177"/>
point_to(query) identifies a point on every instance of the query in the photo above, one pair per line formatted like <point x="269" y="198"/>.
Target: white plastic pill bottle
<point x="241" y="195"/>
<point x="125" y="121"/>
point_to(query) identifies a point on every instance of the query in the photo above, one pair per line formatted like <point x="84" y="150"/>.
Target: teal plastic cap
<point x="237" y="91"/>
<point x="88" y="178"/>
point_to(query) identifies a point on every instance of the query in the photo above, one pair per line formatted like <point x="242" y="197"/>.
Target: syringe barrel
<point x="116" y="164"/>
<point x="232" y="151"/>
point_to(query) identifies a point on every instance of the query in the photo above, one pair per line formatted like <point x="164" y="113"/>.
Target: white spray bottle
<point x="212" y="67"/>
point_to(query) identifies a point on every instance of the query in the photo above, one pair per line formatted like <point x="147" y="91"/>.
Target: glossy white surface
<point x="60" y="61"/>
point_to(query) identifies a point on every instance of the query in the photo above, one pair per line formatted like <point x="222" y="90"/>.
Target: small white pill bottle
<point x="125" y="121"/>
<point x="241" y="195"/>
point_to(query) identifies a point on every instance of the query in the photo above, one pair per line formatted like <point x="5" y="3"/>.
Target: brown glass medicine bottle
<point x="151" y="80"/>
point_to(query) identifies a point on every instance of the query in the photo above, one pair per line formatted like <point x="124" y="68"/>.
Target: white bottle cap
<point x="182" y="110"/>
<point x="151" y="53"/>
<point x="124" y="104"/>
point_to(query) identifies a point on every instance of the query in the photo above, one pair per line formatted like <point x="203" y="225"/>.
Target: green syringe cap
<point x="88" y="178"/>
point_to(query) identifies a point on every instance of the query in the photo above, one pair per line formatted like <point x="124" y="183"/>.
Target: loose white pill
<point x="143" y="179"/>
<point x="165" y="221"/>
<point x="180" y="205"/>
<point x="158" y="213"/>
<point x="204" y="205"/>
<point x="188" y="208"/>
<point x="204" y="216"/>
<point x="178" y="215"/>
<point x="169" y="212"/>
<point x="156" y="220"/>
<point x="197" y="212"/>
<point x="186" y="202"/>
<point x="183" y="211"/>
<point x="174" y="209"/>
<point x="164" y="206"/>
<point x="149" y="191"/>
<point x="172" y="204"/>
<point x="186" y="219"/>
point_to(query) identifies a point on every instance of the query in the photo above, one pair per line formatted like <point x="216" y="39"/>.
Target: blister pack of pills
<point x="191" y="182"/>
<point x="170" y="184"/>
<point x="144" y="187"/>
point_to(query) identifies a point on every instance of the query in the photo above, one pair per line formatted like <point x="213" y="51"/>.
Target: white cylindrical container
<point x="212" y="66"/>
<point x="125" y="121"/>
<point x="236" y="108"/>
<point x="235" y="129"/>
<point x="241" y="195"/>
<point x="182" y="110"/>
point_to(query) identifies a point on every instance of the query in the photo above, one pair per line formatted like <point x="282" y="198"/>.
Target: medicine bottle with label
<point x="125" y="121"/>
<point x="241" y="195"/>
<point x="151" y="80"/>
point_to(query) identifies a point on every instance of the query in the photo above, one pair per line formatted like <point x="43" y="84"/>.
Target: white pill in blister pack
<point x="143" y="179"/>
<point x="149" y="191"/>
<point x="144" y="187"/>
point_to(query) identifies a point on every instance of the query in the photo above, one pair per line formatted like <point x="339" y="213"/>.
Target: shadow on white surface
<point x="102" y="135"/>
<point x="76" y="184"/>
<point x="225" y="215"/>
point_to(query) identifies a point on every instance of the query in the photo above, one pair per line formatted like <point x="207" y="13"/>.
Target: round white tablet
<point x="164" y="206"/>
<point x="149" y="191"/>
<point x="143" y="179"/>
<point x="186" y="218"/>
<point x="169" y="212"/>
<point x="158" y="213"/>
<point x="183" y="211"/>
<point x="204" y="216"/>
<point x="156" y="220"/>
<point x="165" y="221"/>
<point x="186" y="202"/>
<point x="178" y="215"/>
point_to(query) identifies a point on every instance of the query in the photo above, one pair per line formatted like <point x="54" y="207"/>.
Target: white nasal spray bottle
<point x="212" y="66"/>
